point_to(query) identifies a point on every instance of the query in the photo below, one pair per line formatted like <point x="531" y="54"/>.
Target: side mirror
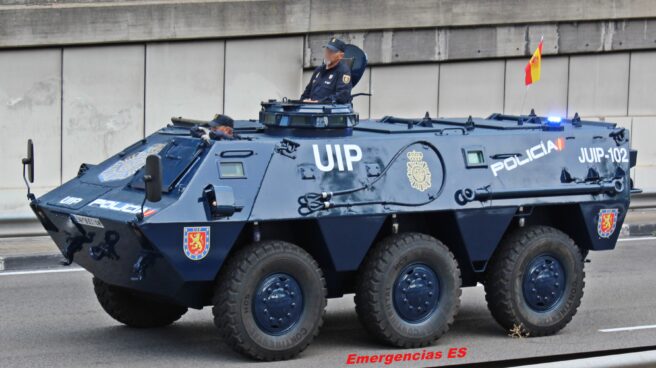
<point x="153" y="178"/>
<point x="221" y="200"/>
<point x="28" y="162"/>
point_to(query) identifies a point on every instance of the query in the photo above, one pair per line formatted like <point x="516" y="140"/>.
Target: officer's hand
<point x="309" y="100"/>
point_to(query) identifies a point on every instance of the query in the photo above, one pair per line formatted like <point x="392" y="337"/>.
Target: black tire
<point x="377" y="290"/>
<point x="235" y="306"/>
<point x="507" y="277"/>
<point x="134" y="310"/>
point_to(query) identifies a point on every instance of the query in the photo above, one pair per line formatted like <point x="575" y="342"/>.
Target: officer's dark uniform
<point x="330" y="85"/>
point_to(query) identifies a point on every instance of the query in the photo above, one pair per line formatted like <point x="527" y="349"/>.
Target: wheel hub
<point x="416" y="293"/>
<point x="277" y="303"/>
<point x="544" y="283"/>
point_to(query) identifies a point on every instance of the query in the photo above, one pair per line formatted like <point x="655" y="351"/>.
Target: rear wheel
<point x="535" y="281"/>
<point x="133" y="309"/>
<point x="269" y="300"/>
<point x="408" y="290"/>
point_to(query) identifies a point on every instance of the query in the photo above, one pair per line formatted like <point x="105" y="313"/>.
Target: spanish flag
<point x="533" y="67"/>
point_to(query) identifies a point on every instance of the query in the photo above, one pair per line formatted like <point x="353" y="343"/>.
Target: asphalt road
<point x="53" y="320"/>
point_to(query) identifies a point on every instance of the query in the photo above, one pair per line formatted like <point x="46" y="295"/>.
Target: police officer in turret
<point x="330" y="82"/>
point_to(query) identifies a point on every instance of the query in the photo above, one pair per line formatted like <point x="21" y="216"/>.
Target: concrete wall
<point x="183" y="79"/>
<point x="30" y="107"/>
<point x="257" y="70"/>
<point x="409" y="90"/>
<point x="102" y="104"/>
<point x="497" y="41"/>
<point x="82" y="104"/>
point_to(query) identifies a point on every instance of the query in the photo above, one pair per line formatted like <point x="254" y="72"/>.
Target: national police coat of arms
<point x="418" y="172"/>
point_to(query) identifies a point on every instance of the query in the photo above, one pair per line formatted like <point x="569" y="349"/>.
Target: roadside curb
<point x="636" y="359"/>
<point x="638" y="230"/>
<point x="29" y="262"/>
<point x="53" y="260"/>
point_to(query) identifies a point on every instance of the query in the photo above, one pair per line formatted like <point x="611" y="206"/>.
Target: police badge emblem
<point x="607" y="222"/>
<point x="346" y="78"/>
<point x="196" y="242"/>
<point x="418" y="172"/>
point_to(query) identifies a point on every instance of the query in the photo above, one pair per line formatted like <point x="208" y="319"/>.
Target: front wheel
<point x="269" y="300"/>
<point x="534" y="282"/>
<point x="408" y="290"/>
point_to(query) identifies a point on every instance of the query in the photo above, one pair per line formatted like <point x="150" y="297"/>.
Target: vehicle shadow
<point x="476" y="321"/>
<point x="342" y="333"/>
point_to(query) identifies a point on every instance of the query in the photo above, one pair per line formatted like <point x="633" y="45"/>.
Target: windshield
<point x="128" y="165"/>
<point x="176" y="158"/>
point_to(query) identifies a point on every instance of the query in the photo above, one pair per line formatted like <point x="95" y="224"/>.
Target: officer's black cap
<point x="222" y="120"/>
<point x="335" y="44"/>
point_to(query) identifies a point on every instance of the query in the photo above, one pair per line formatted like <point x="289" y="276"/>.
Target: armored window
<point x="474" y="156"/>
<point x="231" y="170"/>
<point x="177" y="157"/>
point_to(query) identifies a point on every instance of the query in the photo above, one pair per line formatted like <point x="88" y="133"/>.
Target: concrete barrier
<point x="67" y="22"/>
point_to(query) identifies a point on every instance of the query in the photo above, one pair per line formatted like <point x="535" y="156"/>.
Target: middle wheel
<point x="408" y="290"/>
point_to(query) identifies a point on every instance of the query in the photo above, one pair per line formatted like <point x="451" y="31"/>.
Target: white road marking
<point x="36" y="272"/>
<point x="639" y="359"/>
<point x="619" y="329"/>
<point x="642" y="238"/>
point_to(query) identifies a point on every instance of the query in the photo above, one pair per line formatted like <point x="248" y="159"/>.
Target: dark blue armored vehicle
<point x="309" y="203"/>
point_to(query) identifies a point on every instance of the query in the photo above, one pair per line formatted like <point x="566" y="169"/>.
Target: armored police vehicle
<point x="309" y="202"/>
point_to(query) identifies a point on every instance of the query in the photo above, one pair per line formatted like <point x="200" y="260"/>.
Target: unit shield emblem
<point x="607" y="222"/>
<point x="418" y="172"/>
<point x="196" y="242"/>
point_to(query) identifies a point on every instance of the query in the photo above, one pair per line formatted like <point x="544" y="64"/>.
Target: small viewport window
<point x="231" y="170"/>
<point x="474" y="156"/>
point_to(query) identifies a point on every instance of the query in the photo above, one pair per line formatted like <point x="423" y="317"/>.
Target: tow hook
<point x="106" y="248"/>
<point x="74" y="246"/>
<point x="144" y="261"/>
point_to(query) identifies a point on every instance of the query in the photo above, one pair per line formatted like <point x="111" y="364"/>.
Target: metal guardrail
<point x="27" y="225"/>
<point x="11" y="226"/>
<point x="643" y="200"/>
<point x="19" y="217"/>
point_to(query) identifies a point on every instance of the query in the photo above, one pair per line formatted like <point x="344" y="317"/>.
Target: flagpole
<point x="521" y="109"/>
<point x="529" y="69"/>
